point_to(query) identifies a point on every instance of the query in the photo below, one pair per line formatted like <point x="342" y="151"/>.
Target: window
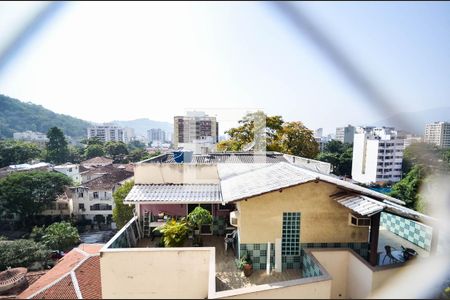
<point x="80" y="195"/>
<point x="290" y="244"/>
<point x="106" y="195"/>
<point x="95" y="195"/>
<point x="358" y="221"/>
<point x="70" y="169"/>
<point x="81" y="206"/>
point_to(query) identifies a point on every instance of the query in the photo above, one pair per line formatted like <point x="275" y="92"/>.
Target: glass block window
<point x="290" y="244"/>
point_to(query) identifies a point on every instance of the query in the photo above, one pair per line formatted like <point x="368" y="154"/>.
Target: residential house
<point x="95" y="195"/>
<point x="75" y="276"/>
<point x="71" y="170"/>
<point x="96" y="162"/>
<point x="309" y="234"/>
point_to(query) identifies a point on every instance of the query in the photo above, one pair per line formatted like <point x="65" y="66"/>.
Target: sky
<point x="122" y="61"/>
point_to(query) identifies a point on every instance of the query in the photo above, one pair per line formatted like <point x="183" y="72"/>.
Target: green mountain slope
<point x="16" y="116"/>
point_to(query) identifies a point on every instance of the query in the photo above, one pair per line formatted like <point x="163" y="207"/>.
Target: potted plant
<point x="174" y="233"/>
<point x="198" y="217"/>
<point x="246" y="264"/>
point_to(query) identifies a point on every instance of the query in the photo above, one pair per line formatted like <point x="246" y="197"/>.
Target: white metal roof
<point x="362" y="205"/>
<point x="239" y="181"/>
<point x="174" y="193"/>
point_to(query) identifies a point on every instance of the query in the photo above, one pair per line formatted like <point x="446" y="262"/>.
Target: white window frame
<point x="358" y="220"/>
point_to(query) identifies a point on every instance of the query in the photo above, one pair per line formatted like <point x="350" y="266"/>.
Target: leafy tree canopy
<point x="407" y="189"/>
<point x="60" y="236"/>
<point x="339" y="155"/>
<point x="93" y="151"/>
<point x="29" y="193"/>
<point x="21" y="253"/>
<point x="116" y="150"/>
<point x="18" y="152"/>
<point x="270" y="133"/>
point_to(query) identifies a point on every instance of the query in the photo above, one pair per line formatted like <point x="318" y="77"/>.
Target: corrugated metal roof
<point x="246" y="180"/>
<point x="228" y="157"/>
<point x="175" y="193"/>
<point x="362" y="205"/>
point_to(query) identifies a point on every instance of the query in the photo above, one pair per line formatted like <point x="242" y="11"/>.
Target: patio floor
<point x="228" y="276"/>
<point x="388" y="238"/>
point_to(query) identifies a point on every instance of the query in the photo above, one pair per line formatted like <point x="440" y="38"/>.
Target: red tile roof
<point x="77" y="273"/>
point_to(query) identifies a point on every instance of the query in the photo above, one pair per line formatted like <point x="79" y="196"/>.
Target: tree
<point x="21" y="253"/>
<point x="29" y="193"/>
<point x="92" y="141"/>
<point x="339" y="155"/>
<point x="407" y="189"/>
<point x="75" y="154"/>
<point x="270" y="133"/>
<point x="57" y="149"/>
<point x="255" y="128"/>
<point x="296" y="139"/>
<point x="122" y="213"/>
<point x="93" y="151"/>
<point x="17" y="152"/>
<point x="60" y="236"/>
<point x="133" y="145"/>
<point x="116" y="150"/>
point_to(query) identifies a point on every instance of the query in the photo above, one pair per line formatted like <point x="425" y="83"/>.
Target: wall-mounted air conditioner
<point x="234" y="215"/>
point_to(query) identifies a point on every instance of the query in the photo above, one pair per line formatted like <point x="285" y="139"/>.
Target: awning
<point x="174" y="194"/>
<point x="360" y="204"/>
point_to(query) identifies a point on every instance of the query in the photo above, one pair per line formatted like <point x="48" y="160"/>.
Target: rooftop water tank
<point x="183" y="156"/>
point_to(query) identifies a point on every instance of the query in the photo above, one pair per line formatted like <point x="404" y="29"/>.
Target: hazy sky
<point x="106" y="61"/>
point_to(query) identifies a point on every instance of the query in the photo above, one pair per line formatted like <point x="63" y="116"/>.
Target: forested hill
<point x="16" y="116"/>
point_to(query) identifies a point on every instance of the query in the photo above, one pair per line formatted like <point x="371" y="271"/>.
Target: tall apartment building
<point x="156" y="134"/>
<point x="438" y="133"/>
<point x="107" y="132"/>
<point x="196" y="129"/>
<point x="377" y="155"/>
<point x="128" y="134"/>
<point x="345" y="134"/>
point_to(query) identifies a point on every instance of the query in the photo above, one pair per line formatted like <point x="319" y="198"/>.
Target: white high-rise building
<point x="107" y="132"/>
<point x="156" y="134"/>
<point x="377" y="155"/>
<point x="345" y="134"/>
<point x="128" y="134"/>
<point x="196" y="130"/>
<point x="438" y="133"/>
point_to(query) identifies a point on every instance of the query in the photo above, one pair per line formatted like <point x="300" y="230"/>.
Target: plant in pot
<point x="174" y="233"/>
<point x="196" y="218"/>
<point x="245" y="264"/>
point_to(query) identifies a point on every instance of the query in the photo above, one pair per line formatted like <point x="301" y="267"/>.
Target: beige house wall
<point x="353" y="277"/>
<point x="284" y="290"/>
<point x="322" y="219"/>
<point x="336" y="264"/>
<point x="157" y="273"/>
<point x="175" y="173"/>
<point x="359" y="284"/>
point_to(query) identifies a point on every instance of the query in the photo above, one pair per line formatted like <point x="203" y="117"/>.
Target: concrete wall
<point x="352" y="277"/>
<point x="322" y="219"/>
<point x="157" y="273"/>
<point x="335" y="262"/>
<point x="294" y="289"/>
<point x="175" y="173"/>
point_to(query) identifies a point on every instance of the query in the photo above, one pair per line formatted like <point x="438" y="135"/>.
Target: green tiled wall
<point x="361" y="248"/>
<point x="417" y="233"/>
<point x="258" y="254"/>
<point x="308" y="266"/>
